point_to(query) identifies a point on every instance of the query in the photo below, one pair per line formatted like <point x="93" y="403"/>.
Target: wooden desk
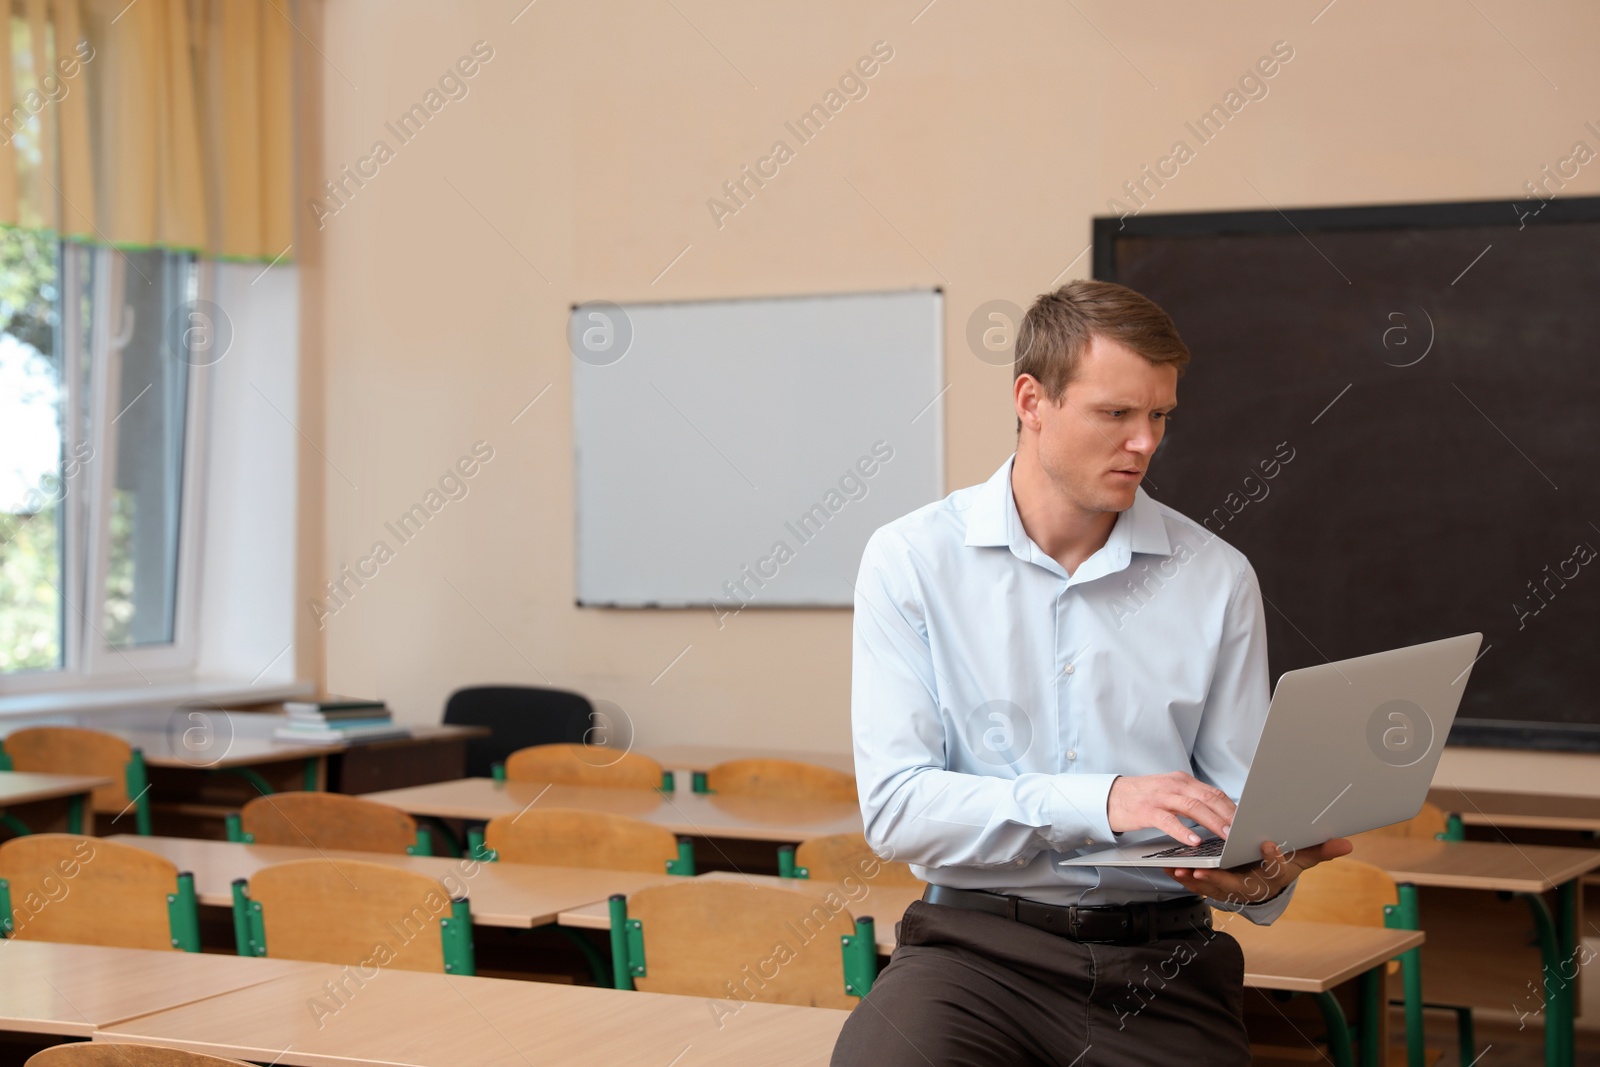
<point x="702" y="758"/>
<point x="1472" y="958"/>
<point x="70" y="990"/>
<point x="517" y="895"/>
<point x="693" y="814"/>
<point x="435" y="1020"/>
<point x="32" y="792"/>
<point x="1528" y="811"/>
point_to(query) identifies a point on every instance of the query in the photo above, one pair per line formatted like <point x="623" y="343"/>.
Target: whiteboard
<point x="739" y="453"/>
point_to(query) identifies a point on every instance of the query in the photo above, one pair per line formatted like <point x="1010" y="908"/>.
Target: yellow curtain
<point x="151" y="123"/>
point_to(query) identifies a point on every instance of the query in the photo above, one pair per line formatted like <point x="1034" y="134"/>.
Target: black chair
<point x="518" y="716"/>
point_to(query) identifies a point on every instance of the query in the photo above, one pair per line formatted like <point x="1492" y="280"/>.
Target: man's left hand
<point x="1257" y="882"/>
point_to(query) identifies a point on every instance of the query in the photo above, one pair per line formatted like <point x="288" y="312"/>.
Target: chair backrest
<point x="118" y="1054"/>
<point x="352" y="912"/>
<point x="517" y="716"/>
<point x="1343" y="891"/>
<point x="72" y="750"/>
<point x="584" y="765"/>
<point x="559" y="838"/>
<point x="788" y="779"/>
<point x="327" y="820"/>
<point x="752" y="942"/>
<point x="839" y="856"/>
<point x="88" y="891"/>
<point x="1427" y="822"/>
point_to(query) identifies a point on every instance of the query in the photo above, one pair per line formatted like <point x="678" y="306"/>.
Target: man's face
<point x="1097" y="441"/>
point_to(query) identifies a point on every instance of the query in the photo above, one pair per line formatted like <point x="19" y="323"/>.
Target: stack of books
<point x="338" y="721"/>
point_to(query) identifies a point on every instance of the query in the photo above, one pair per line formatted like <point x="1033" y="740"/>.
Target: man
<point x="1042" y="662"/>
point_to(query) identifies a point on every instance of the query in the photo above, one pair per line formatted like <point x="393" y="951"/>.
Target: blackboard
<point x="1421" y="383"/>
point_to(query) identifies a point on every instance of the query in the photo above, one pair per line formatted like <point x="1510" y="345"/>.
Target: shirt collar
<point x="992" y="520"/>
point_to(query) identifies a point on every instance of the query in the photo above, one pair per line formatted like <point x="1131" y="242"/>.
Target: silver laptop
<point x="1347" y="747"/>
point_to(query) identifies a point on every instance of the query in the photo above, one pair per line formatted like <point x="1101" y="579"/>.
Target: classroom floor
<point x="1500" y="1044"/>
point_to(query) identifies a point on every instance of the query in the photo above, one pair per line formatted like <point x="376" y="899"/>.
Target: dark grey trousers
<point x="973" y="989"/>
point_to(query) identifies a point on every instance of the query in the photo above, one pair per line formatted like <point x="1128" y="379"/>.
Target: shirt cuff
<point x="1262" y="913"/>
<point x="1076" y="810"/>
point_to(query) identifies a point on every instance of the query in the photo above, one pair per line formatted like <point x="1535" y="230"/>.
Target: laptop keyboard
<point x="1212" y="847"/>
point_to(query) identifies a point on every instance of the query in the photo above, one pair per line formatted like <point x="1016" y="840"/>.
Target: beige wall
<point x="587" y="148"/>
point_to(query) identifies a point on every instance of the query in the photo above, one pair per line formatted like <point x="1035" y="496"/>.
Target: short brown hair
<point x="1056" y="331"/>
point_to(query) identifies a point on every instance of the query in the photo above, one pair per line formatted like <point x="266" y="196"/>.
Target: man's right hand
<point x="1159" y="801"/>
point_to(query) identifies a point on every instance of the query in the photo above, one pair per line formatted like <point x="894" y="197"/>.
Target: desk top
<point x="19" y="787"/>
<point x="704" y="757"/>
<point x="1488" y="865"/>
<point x="1310" y="957"/>
<point x="886" y="904"/>
<point x="694" y="814"/>
<point x="519" y="895"/>
<point x="48" y="988"/>
<point x="484" y="1021"/>
<point x="1486" y="807"/>
<point x="207" y="738"/>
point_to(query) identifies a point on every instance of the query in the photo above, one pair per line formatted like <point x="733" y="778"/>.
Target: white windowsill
<point x="169" y="694"/>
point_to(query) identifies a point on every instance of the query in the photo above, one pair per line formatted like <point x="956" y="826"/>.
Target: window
<point x="100" y="385"/>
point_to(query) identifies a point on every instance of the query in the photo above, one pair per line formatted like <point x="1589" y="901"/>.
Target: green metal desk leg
<point x="14" y="824"/>
<point x="1373" y="1010"/>
<point x="1557" y="1021"/>
<point x="75" y="806"/>
<point x="1567" y="941"/>
<point x="1407" y="915"/>
<point x="1338" y="1029"/>
<point x="313" y="763"/>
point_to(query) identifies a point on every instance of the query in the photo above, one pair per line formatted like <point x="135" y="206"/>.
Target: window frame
<point x="88" y="661"/>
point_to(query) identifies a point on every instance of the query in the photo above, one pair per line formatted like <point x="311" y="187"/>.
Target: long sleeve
<point x="914" y="808"/>
<point x="1235" y="712"/>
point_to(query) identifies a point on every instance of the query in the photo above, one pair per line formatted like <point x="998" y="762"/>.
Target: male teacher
<point x="1042" y="662"/>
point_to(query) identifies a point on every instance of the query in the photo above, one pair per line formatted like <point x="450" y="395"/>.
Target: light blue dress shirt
<point x="995" y="697"/>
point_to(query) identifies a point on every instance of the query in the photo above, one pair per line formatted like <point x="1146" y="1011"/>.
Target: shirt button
<point x="1072" y="753"/>
<point x="1069" y="669"/>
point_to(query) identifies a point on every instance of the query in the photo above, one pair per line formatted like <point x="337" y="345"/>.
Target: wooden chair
<point x="328" y="820"/>
<point x="584" y="765"/>
<point x="62" y="887"/>
<point x="71" y="750"/>
<point x="559" y="838"/>
<point x="839" y="856"/>
<point x="1430" y="822"/>
<point x="738" y="942"/>
<point x="354" y="913"/>
<point x="785" y="779"/>
<point x="117" y="1054"/>
<point x="1359" y="894"/>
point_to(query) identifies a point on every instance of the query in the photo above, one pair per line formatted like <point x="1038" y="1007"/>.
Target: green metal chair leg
<point x="14" y="824"/>
<point x="599" y="966"/>
<point x="455" y="933"/>
<point x="75" y="809"/>
<point x="1373" y="1009"/>
<point x="1466" y="1039"/>
<point x="183" y="915"/>
<point x="1557" y="1021"/>
<point x="1338" y="1029"/>
<point x="445" y="836"/>
<point x="313" y="763"/>
<point x="622" y="968"/>
<point x="262" y="786"/>
<point x="1406" y="915"/>
<point x="138" y="786"/>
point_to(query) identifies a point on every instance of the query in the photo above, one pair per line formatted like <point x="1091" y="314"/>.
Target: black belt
<point x="1128" y="924"/>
